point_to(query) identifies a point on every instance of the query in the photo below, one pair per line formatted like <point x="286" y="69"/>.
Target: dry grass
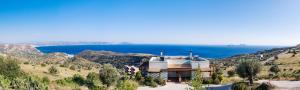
<point x="38" y="70"/>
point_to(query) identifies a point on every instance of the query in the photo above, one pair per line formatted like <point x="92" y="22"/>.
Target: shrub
<point x="92" y="80"/>
<point x="53" y="70"/>
<point x="43" y="65"/>
<point x="73" y="67"/>
<point x="149" y="81"/>
<point x="26" y="62"/>
<point x="138" y="76"/>
<point x="127" y="85"/>
<point x="265" y="86"/>
<point x="275" y="69"/>
<point x="46" y="80"/>
<point x="4" y="82"/>
<point x="239" y="86"/>
<point x="160" y="81"/>
<point x="109" y="74"/>
<point x="231" y="73"/>
<point x="9" y="68"/>
<point x="78" y="79"/>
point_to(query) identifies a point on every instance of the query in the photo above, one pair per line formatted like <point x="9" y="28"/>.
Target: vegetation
<point x="248" y="69"/>
<point x="231" y="73"/>
<point x="53" y="70"/>
<point x="275" y="69"/>
<point x="11" y="77"/>
<point x="127" y="85"/>
<point x="9" y="68"/>
<point x="149" y="81"/>
<point x="109" y="74"/>
<point x="197" y="81"/>
<point x="239" y="86"/>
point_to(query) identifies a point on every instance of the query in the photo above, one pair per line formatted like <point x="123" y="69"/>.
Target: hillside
<point x="116" y="59"/>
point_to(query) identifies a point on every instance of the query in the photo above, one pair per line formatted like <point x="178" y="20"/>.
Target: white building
<point x="177" y="68"/>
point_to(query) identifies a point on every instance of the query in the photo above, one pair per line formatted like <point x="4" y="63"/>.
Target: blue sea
<point x="206" y="51"/>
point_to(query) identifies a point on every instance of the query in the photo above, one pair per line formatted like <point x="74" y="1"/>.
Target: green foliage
<point x="92" y="81"/>
<point x="160" y="81"/>
<point x="9" y="68"/>
<point x="45" y="80"/>
<point x="197" y="81"/>
<point x="231" y="73"/>
<point x="127" y="85"/>
<point x="109" y="74"/>
<point x="138" y="76"/>
<point x="275" y="69"/>
<point x="249" y="69"/>
<point x="53" y="70"/>
<point x="149" y="81"/>
<point x="265" y="86"/>
<point x="239" y="86"/>
<point x="73" y="67"/>
<point x="26" y="62"/>
<point x="78" y="79"/>
<point x="4" y="82"/>
<point x="43" y="65"/>
<point x="216" y="78"/>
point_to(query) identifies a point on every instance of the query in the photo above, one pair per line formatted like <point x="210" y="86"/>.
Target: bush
<point x="265" y="86"/>
<point x="53" y="70"/>
<point x="149" y="81"/>
<point x="43" y="65"/>
<point x="46" y="80"/>
<point x="127" y="85"/>
<point x="239" y="86"/>
<point x="109" y="74"/>
<point x="9" y="68"/>
<point x="73" y="67"/>
<point x="92" y="80"/>
<point x="78" y="79"/>
<point x="231" y="73"/>
<point x="275" y="69"/>
<point x="160" y="81"/>
<point x="26" y="62"/>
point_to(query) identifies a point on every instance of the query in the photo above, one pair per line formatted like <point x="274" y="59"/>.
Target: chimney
<point x="191" y="54"/>
<point x="161" y="53"/>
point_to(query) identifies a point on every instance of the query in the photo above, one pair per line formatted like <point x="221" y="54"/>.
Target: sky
<point x="212" y="22"/>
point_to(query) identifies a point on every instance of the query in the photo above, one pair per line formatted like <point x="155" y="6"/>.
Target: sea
<point x="205" y="51"/>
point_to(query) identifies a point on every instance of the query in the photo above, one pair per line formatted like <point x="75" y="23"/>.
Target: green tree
<point x="92" y="80"/>
<point x="138" y="76"/>
<point x="248" y="69"/>
<point x="109" y="74"/>
<point x="275" y="69"/>
<point x="197" y="81"/>
<point x="127" y="85"/>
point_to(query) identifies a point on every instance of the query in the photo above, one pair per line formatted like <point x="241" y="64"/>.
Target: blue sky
<point x="256" y="22"/>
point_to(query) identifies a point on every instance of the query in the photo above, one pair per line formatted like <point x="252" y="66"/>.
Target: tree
<point x="109" y="74"/>
<point x="275" y="69"/>
<point x="248" y="69"/>
<point x="197" y="80"/>
<point x="127" y="85"/>
<point x="92" y="80"/>
<point x="138" y="76"/>
<point x="53" y="70"/>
